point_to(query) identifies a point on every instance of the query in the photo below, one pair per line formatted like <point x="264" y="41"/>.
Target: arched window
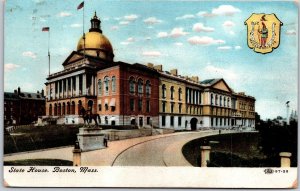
<point x="50" y="109"/>
<point x="131" y="85"/>
<point x="172" y="92"/>
<point x="179" y="94"/>
<point x="224" y="102"/>
<point x="220" y="100"/>
<point x="148" y="87"/>
<point x="140" y="86"/>
<point x="163" y="87"/>
<point x="106" y="85"/>
<point x="216" y="100"/>
<point x="113" y="84"/>
<point x="99" y="87"/>
<point x="55" y="109"/>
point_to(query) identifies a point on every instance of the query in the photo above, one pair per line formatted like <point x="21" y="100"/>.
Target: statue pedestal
<point x="90" y="139"/>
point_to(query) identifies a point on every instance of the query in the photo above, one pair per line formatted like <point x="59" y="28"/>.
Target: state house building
<point x="140" y="95"/>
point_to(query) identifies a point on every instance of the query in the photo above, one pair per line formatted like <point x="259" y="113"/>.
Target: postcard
<point x="150" y="94"/>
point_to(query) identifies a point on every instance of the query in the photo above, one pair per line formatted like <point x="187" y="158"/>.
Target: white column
<point x="92" y="84"/>
<point x="83" y="84"/>
<point x="71" y="86"/>
<point x="77" y="85"/>
<point x="58" y="88"/>
<point x="67" y="87"/>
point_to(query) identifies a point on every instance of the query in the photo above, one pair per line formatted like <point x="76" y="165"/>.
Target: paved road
<point x="151" y="153"/>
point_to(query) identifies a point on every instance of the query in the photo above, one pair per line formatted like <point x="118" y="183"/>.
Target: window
<point x="180" y="108"/>
<point x="224" y="102"/>
<point x="113" y="84"/>
<point x="148" y="120"/>
<point x="163" y="91"/>
<point x="212" y="121"/>
<point x="131" y="104"/>
<point x="148" y="106"/>
<point x="140" y="86"/>
<point x="106" y="106"/>
<point x="172" y="120"/>
<point x="140" y="105"/>
<point x="216" y="100"/>
<point x="163" y="120"/>
<point x="131" y="85"/>
<point x="220" y="100"/>
<point x="106" y="120"/>
<point x="99" y="87"/>
<point x="172" y="92"/>
<point x="99" y="107"/>
<point x="179" y="121"/>
<point x="163" y="106"/>
<point x="172" y="107"/>
<point x="106" y="84"/>
<point x="179" y="94"/>
<point x="148" y="87"/>
<point x="211" y="99"/>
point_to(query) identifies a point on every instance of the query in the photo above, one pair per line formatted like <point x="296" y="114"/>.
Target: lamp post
<point x="287" y="113"/>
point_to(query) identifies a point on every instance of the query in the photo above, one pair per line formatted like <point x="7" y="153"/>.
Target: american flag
<point x="45" y="29"/>
<point x="80" y="5"/>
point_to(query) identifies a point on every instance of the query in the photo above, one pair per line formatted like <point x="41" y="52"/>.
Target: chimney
<point x="174" y="72"/>
<point x="19" y="90"/>
<point x="158" y="67"/>
<point x="16" y="92"/>
<point x="195" y="79"/>
<point x="42" y="92"/>
<point x="38" y="92"/>
<point x="150" y="65"/>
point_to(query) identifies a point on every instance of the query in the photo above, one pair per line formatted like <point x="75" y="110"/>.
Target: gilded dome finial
<point x="95" y="16"/>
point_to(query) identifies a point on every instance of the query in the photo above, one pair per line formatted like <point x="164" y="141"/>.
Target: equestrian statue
<point x="88" y="116"/>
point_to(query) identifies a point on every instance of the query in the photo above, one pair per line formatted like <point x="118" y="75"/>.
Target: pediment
<point x="222" y="85"/>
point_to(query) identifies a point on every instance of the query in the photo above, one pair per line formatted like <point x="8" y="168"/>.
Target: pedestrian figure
<point x="105" y="140"/>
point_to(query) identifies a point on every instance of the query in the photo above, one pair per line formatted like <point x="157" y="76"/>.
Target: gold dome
<point x="95" y="41"/>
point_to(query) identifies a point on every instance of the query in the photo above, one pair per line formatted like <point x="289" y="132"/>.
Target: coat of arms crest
<point x="263" y="32"/>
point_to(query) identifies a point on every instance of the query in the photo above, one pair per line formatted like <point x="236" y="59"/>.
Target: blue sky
<point x="201" y="38"/>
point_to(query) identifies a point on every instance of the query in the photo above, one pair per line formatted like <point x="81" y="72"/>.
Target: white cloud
<point x="29" y="54"/>
<point x="113" y="28"/>
<point x="290" y="32"/>
<point x="231" y="32"/>
<point x="224" y="48"/>
<point x="124" y="22"/>
<point x="10" y="66"/>
<point x="178" y="32"/>
<point x="228" y="24"/>
<point x="76" y="25"/>
<point x="204" y="40"/>
<point x="131" y="17"/>
<point x="199" y="27"/>
<point x="117" y="18"/>
<point x="64" y="14"/>
<point x="128" y="41"/>
<point x="221" y="72"/>
<point x="237" y="47"/>
<point x="148" y="38"/>
<point x="106" y="19"/>
<point x="151" y="53"/>
<point x="205" y="14"/>
<point x="227" y="10"/>
<point x="187" y="16"/>
<point x="162" y="35"/>
<point x="178" y="43"/>
<point x="152" y="21"/>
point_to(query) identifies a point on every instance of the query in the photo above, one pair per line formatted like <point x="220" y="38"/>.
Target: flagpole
<point x="83" y="33"/>
<point x="49" y="50"/>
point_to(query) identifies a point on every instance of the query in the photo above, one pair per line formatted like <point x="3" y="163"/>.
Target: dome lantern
<point x="95" y="24"/>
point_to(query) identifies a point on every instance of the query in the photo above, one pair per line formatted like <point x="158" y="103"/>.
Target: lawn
<point x="33" y="138"/>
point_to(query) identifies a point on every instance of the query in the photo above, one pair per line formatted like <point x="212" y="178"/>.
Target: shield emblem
<point x="263" y="32"/>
